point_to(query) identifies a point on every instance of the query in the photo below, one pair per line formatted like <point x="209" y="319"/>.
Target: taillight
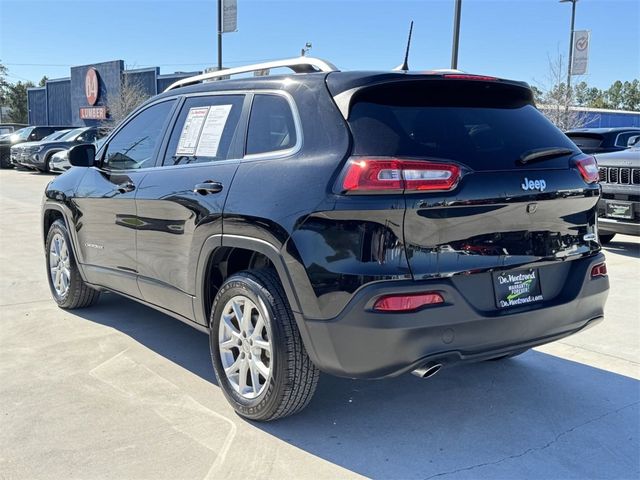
<point x="599" y="270"/>
<point x="407" y="302"/>
<point x="369" y="175"/>
<point x="588" y="168"/>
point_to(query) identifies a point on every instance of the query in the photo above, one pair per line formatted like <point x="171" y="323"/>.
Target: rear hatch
<point x="489" y="183"/>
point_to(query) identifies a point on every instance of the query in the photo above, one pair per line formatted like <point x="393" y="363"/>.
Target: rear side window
<point x="204" y="130"/>
<point x="134" y="145"/>
<point x="271" y="125"/>
<point x="40" y="133"/>
<point x="484" y="126"/>
<point x="623" y="139"/>
<point x="88" y="136"/>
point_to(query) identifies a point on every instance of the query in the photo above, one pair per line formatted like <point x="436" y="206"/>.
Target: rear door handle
<point x="207" y="187"/>
<point x="126" y="187"/>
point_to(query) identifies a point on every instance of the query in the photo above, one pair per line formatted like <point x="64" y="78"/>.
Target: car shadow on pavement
<point x="534" y="416"/>
<point x="628" y="249"/>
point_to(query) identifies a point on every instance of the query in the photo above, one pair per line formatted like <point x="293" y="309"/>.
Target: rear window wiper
<point x="540" y="154"/>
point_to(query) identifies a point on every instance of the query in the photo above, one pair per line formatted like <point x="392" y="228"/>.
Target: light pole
<point x="456" y="34"/>
<point x="219" y="34"/>
<point x="573" y="20"/>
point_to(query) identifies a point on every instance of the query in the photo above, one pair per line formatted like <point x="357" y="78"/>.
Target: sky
<point x="506" y="38"/>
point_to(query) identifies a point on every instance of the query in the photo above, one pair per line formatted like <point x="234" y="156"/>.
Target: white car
<point x="60" y="162"/>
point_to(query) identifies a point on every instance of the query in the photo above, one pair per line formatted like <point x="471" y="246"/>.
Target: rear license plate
<point x="517" y="287"/>
<point x="617" y="209"/>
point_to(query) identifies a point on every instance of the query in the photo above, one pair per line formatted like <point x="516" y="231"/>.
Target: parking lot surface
<point x="122" y="391"/>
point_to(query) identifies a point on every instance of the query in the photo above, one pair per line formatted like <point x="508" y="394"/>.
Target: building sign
<point x="580" y="62"/>
<point x="93" y="113"/>
<point x="91" y="86"/>
<point x="229" y="16"/>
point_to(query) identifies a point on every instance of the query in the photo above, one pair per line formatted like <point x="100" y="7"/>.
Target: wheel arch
<point x="229" y="248"/>
<point x="51" y="153"/>
<point x="51" y="212"/>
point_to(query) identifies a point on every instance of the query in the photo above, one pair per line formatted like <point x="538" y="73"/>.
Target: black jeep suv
<point x="365" y="224"/>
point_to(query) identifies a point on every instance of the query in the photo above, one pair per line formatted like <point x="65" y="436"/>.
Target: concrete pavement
<point x="122" y="391"/>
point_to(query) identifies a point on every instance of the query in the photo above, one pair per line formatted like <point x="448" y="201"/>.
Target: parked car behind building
<point x="27" y="134"/>
<point x="602" y="140"/>
<point x="619" y="207"/>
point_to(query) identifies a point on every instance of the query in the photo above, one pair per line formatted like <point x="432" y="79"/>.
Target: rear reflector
<point x="382" y="174"/>
<point x="407" y="302"/>
<point x="599" y="270"/>
<point x="588" y="168"/>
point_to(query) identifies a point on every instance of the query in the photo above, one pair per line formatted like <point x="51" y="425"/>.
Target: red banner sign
<point x="93" y="113"/>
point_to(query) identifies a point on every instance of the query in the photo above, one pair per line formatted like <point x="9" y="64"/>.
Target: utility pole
<point x="219" y="34"/>
<point x="305" y="50"/>
<point x="456" y="34"/>
<point x="573" y="20"/>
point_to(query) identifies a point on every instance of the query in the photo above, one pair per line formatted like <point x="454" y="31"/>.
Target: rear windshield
<point x="586" y="141"/>
<point x="485" y="126"/>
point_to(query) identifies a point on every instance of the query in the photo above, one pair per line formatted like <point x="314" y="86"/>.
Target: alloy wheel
<point x="59" y="265"/>
<point x="245" y="347"/>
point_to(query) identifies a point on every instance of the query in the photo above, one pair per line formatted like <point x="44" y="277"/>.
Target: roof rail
<point x="298" y="65"/>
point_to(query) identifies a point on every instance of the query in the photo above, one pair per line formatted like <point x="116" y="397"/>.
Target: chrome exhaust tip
<point x="427" y="370"/>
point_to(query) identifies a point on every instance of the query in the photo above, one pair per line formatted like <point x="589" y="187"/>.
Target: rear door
<point x="180" y="202"/>
<point x="502" y="212"/>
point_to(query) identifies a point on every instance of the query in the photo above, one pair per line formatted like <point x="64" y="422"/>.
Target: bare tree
<point x="556" y="101"/>
<point x="119" y="106"/>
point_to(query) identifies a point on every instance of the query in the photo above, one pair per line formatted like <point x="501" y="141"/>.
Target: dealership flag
<point x="229" y="16"/>
<point x="581" y="40"/>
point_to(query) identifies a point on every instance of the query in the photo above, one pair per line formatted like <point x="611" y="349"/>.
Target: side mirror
<point x="633" y="141"/>
<point x="83" y="155"/>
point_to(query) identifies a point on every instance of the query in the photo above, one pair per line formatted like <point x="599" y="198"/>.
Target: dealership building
<point x="81" y="98"/>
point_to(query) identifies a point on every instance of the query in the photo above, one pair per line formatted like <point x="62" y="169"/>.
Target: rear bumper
<point x="612" y="225"/>
<point x="361" y="343"/>
<point x="619" y="225"/>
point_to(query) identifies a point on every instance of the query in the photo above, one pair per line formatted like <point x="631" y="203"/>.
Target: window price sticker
<point x="212" y="130"/>
<point x="191" y="131"/>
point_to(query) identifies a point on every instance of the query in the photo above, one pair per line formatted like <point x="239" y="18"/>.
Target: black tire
<point x="510" y="355"/>
<point x="606" y="237"/>
<point x="78" y="294"/>
<point x="293" y="377"/>
<point x="5" y="160"/>
<point x="47" y="162"/>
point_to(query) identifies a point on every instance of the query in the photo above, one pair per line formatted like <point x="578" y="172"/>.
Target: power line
<point x="142" y="65"/>
<point x="38" y="64"/>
